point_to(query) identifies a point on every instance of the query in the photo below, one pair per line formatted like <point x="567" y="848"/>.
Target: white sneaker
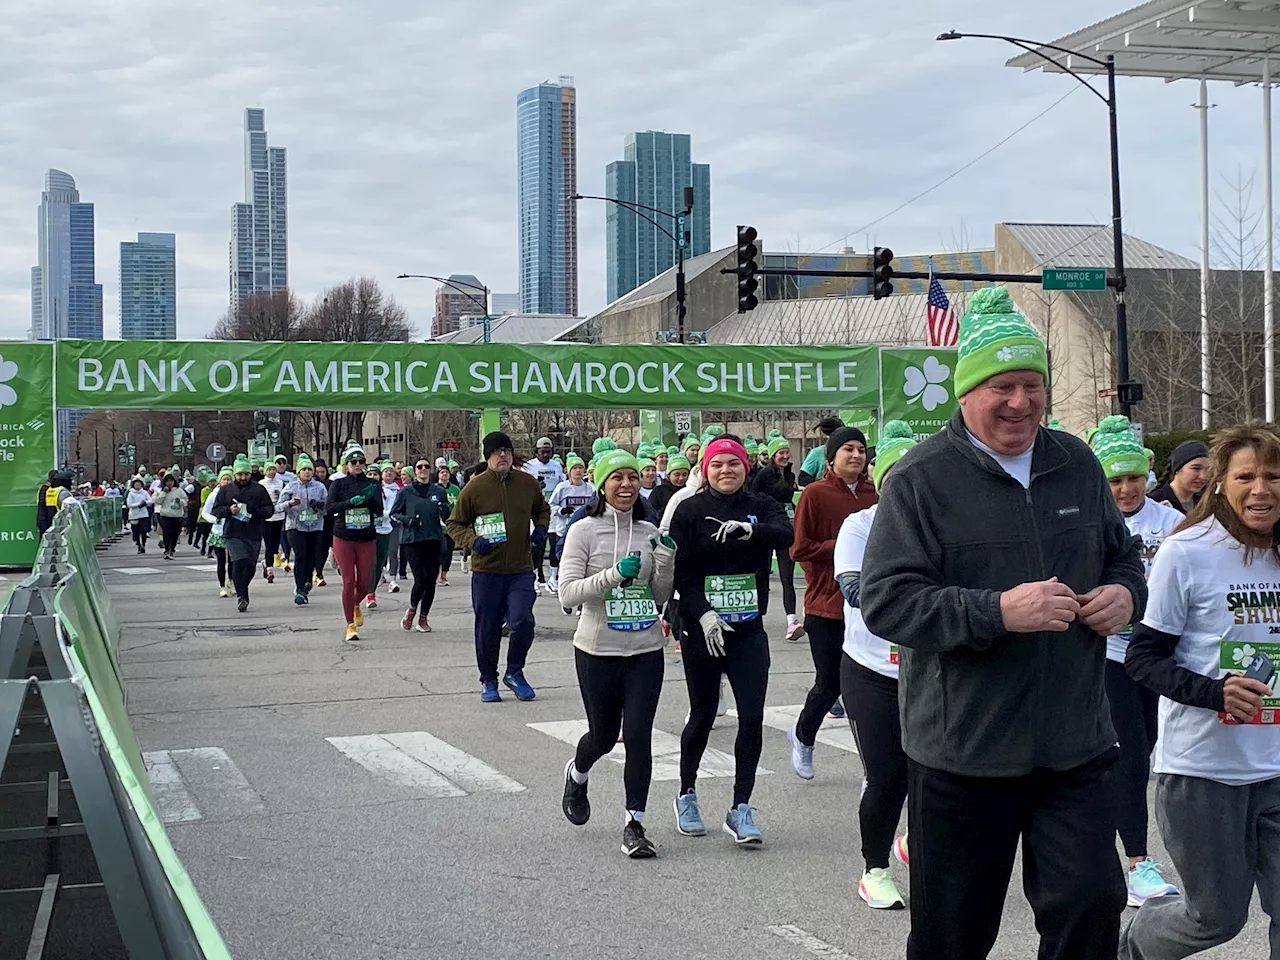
<point x="879" y="891"/>
<point x="394" y="587"/>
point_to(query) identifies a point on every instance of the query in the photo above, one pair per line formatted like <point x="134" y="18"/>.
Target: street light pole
<point x="458" y="285"/>
<point x="1127" y="393"/>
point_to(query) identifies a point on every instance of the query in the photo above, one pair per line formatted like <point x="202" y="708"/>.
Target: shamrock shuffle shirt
<point x="1153" y="522"/>
<point x="1224" y="613"/>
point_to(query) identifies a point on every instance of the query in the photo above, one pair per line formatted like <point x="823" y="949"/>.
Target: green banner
<point x="238" y="375"/>
<point x="865" y="420"/>
<point x="27" y="432"/>
<point x="918" y="386"/>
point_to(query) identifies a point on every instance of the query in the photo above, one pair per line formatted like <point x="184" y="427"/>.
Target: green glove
<point x="357" y="500"/>
<point x="664" y="540"/>
<point x="629" y="567"/>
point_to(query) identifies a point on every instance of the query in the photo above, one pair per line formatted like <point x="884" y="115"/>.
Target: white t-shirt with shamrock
<point x="861" y="644"/>
<point x="1153" y="522"/>
<point x="1223" y="612"/>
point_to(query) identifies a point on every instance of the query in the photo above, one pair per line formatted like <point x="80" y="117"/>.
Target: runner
<point x="813" y="465"/>
<point x="677" y="476"/>
<point x="618" y="571"/>
<point x="273" y="529"/>
<point x="217" y="543"/>
<point x="690" y="447"/>
<point x="660" y="459"/>
<point x="1133" y="706"/>
<point x="419" y="512"/>
<point x="355" y="501"/>
<point x="444" y="477"/>
<point x="723" y="536"/>
<point x="869" y="682"/>
<point x="195" y="501"/>
<point x="778" y="482"/>
<point x="648" y="476"/>
<point x="387" y="534"/>
<point x="170" y="506"/>
<point x="567" y="497"/>
<point x="245" y="505"/>
<point x="1188" y="477"/>
<point x="138" y="503"/>
<point x="493" y="517"/>
<point x="326" y="532"/>
<point x="1218" y="755"/>
<point x="823" y="507"/>
<point x="203" y="526"/>
<point x="549" y="474"/>
<point x="303" y="500"/>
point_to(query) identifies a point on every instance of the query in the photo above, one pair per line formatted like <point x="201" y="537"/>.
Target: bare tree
<point x="261" y="316"/>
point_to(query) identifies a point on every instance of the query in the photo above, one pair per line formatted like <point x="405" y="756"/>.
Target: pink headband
<point x="721" y="446"/>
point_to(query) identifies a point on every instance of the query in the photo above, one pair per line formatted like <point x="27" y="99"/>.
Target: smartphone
<point x="630" y="580"/>
<point x="1261" y="668"/>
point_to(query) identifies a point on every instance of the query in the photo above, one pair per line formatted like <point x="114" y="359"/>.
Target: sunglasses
<point x="422" y="466"/>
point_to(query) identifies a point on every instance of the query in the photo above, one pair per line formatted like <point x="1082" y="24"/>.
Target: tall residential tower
<point x="547" y="176"/>
<point x="655" y="169"/>
<point x="148" y="288"/>
<point x="260" y="225"/>
<point x="66" y="302"/>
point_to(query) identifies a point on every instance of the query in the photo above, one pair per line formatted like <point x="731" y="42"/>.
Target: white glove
<point x="730" y="527"/>
<point x="714" y="630"/>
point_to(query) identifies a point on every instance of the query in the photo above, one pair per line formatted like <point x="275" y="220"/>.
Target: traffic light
<point x="747" y="269"/>
<point x="882" y="273"/>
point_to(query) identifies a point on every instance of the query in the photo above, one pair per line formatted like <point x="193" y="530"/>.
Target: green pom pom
<point x="991" y="300"/>
<point x="897" y="429"/>
<point x="1116" y="424"/>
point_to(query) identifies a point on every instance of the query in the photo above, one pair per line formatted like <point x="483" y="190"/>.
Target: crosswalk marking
<point x="137" y="571"/>
<point x="666" y="751"/>
<point x="807" y="941"/>
<point x="833" y="732"/>
<point x="425" y="764"/>
<point x="199" y="783"/>
<point x="202" y="567"/>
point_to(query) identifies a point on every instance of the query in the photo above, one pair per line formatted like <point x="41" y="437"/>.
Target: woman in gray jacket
<point x="618" y="568"/>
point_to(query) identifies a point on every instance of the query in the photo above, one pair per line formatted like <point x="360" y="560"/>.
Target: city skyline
<point x="546" y="177"/>
<point x="259" y="261"/>
<point x="66" y="300"/>
<point x="453" y="303"/>
<point x="149" y="288"/>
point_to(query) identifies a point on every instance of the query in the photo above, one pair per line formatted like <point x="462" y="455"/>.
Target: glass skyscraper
<point x="148" y="288"/>
<point x="260" y="225"/>
<point x="547" y="176"/>
<point x="655" y="169"/>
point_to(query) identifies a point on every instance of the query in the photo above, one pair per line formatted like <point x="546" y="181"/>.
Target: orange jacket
<point x="823" y="506"/>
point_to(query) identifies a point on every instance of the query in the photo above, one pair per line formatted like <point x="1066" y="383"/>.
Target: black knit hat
<point x="1185" y="452"/>
<point x="496" y="441"/>
<point x="842" y="436"/>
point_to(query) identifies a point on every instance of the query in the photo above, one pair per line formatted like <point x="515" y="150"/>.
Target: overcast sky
<point x="817" y="116"/>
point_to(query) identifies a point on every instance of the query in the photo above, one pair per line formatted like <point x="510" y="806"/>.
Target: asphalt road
<point x="310" y="836"/>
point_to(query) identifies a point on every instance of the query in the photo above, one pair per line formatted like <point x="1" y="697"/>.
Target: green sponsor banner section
<point x="669" y="426"/>
<point x="231" y="375"/>
<point x="865" y="420"/>
<point x="27" y="441"/>
<point x="918" y="386"/>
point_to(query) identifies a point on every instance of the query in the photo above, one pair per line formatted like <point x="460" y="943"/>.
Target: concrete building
<point x="467" y="296"/>
<point x="546" y="177"/>
<point x="259" y="261"/>
<point x="149" y="288"/>
<point x="654" y="172"/>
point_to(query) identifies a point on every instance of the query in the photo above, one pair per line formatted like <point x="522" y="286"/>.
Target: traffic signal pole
<point x="907" y="275"/>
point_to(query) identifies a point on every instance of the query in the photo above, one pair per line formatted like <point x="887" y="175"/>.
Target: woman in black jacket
<point x="420" y="510"/>
<point x="354" y="501"/>
<point x="779" y="482"/>
<point x="243" y="505"/>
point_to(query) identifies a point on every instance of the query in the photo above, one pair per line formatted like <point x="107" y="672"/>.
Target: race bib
<point x="733" y="596"/>
<point x="630" y="608"/>
<point x="357" y="518"/>
<point x="308" y="515"/>
<point x="492" y="526"/>
<point x="1236" y="655"/>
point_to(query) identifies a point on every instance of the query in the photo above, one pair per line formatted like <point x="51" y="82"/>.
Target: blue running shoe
<point x="519" y="685"/>
<point x="299" y="597"/>
<point x="739" y="824"/>
<point x="688" y="816"/>
<point x="836" y="711"/>
<point x="489" y="692"/>
<point x="1145" y="882"/>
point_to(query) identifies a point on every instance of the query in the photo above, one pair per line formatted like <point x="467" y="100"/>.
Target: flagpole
<point x="928" y="331"/>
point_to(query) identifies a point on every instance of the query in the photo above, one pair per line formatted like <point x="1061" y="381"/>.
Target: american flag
<point x="943" y="326"/>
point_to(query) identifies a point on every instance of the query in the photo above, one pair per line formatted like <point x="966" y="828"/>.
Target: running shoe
<point x="552" y="588"/>
<point x="423" y="626"/>
<point x="242" y="604"/>
<point x="567" y="612"/>
<point x="801" y="756"/>
<point x="489" y="692"/>
<point x="371" y="602"/>
<point x="688" y="816"/>
<point x="288" y="567"/>
<point x="879" y="891"/>
<point x="1145" y="882"/>
<point x="270" y="575"/>
<point x="299" y="597"/>
<point x="795" y="630"/>
<point x="394" y="588"/>
<point x="900" y="851"/>
<point x="359" y="616"/>
<point x="383" y="579"/>
<point x="741" y="825"/>
<point x="320" y="581"/>
<point x="406" y="622"/>
<point x="466" y="565"/>
<point x="836" y="711"/>
<point x="515" y="681"/>
<point x="444" y="580"/>
<point x="635" y="844"/>
<point x="576" y="806"/>
<point x="223" y="592"/>
<point x="353" y="632"/>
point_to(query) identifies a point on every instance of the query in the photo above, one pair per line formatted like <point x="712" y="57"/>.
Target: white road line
<point x="173" y="802"/>
<point x="219" y="788"/>
<point x="202" y="567"/>
<point x="807" y="941"/>
<point x="425" y="764"/>
<point x="137" y="571"/>
<point x="833" y="732"/>
<point x="666" y="751"/>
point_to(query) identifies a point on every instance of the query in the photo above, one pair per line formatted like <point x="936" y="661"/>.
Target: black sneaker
<point x="576" y="806"/>
<point x="635" y="844"/>
<point x="242" y="604"/>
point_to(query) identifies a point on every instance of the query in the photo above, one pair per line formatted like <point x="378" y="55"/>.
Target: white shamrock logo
<point x="717" y="583"/>
<point x="8" y="370"/>
<point x="1004" y="354"/>
<point x="927" y="385"/>
<point x="617" y="593"/>
<point x="1243" y="654"/>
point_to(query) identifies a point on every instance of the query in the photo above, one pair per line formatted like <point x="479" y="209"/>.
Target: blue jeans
<point x="497" y="598"/>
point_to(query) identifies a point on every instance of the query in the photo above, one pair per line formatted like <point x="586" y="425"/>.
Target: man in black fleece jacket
<point x="243" y="504"/>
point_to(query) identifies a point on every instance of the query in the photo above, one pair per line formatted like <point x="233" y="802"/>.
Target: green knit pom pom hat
<point x="224" y="472"/>
<point x="995" y="339"/>
<point x="303" y="462"/>
<point x="612" y="461"/>
<point x="677" y="461"/>
<point x="1057" y="425"/>
<point x="241" y="464"/>
<point x="602" y="445"/>
<point x="1118" y="450"/>
<point x="896" y="439"/>
<point x="776" y="444"/>
<point x="573" y="460"/>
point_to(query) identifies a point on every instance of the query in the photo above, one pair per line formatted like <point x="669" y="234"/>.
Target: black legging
<point x="305" y="545"/>
<point x="170" y="532"/>
<point x="202" y="534"/>
<point x="220" y="553"/>
<point x="552" y="554"/>
<point x="1134" y="711"/>
<point x="826" y="638"/>
<point x="424" y="562"/>
<point x="746" y="663"/>
<point x="446" y="556"/>
<point x="871" y="700"/>
<point x="271" y="531"/>
<point x="193" y="525"/>
<point x="787" y="574"/>
<point x="620" y="693"/>
<point x="140" y="530"/>
<point x="539" y="554"/>
<point x="322" y="550"/>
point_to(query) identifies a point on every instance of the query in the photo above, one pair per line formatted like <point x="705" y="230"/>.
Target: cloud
<point x="817" y="117"/>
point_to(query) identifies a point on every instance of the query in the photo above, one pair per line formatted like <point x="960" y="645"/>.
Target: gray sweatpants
<point x="1223" y="841"/>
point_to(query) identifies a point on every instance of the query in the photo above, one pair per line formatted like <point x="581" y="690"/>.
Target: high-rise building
<point x="66" y="302"/>
<point x="502" y="303"/>
<point x="149" y="288"/>
<point x="655" y="169"/>
<point x="465" y="298"/>
<point x="547" y="176"/>
<point x="260" y="225"/>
